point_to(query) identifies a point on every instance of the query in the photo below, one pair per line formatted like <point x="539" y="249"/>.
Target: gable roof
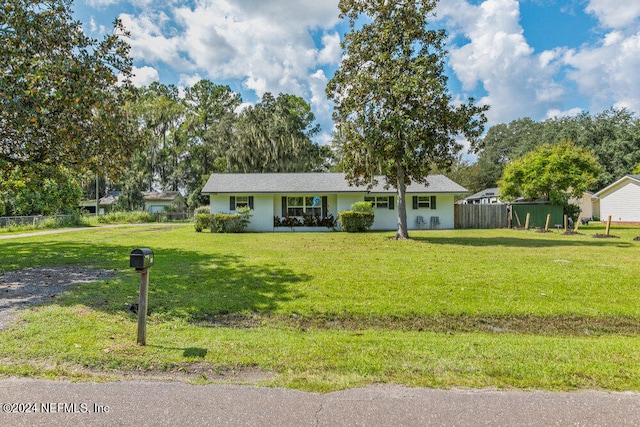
<point x="109" y="199"/>
<point x="161" y="196"/>
<point x="301" y="183"/>
<point x="487" y="192"/>
<point x="610" y="187"/>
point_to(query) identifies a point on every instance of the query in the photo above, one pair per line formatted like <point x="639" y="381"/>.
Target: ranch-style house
<point x="277" y="197"/>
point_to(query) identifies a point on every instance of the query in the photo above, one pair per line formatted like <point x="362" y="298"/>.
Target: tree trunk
<point x="402" y="233"/>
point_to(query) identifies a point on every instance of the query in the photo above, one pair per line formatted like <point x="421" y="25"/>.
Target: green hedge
<point x="223" y="222"/>
<point x="202" y="221"/>
<point x="354" y="222"/>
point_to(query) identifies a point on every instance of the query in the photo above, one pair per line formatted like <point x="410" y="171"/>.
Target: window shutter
<point x="232" y="203"/>
<point x="392" y="205"/>
<point x="325" y="207"/>
<point x="284" y="206"/>
<point x="250" y="202"/>
<point x="433" y="202"/>
<point x="415" y="202"/>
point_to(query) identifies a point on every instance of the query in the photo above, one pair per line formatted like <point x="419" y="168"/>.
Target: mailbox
<point x="141" y="258"/>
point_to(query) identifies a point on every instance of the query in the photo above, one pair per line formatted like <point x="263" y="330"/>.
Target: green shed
<point x="538" y="214"/>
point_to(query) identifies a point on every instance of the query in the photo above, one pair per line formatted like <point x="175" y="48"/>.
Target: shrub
<point x="202" y="210"/>
<point x="230" y="223"/>
<point x="201" y="221"/>
<point x="362" y="207"/>
<point x="354" y="221"/>
<point x="135" y="217"/>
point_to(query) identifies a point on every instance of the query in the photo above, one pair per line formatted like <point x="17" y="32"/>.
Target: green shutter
<point x="392" y="205"/>
<point x="250" y="202"/>
<point x="284" y="206"/>
<point x="415" y="202"/>
<point x="232" y="203"/>
<point x="325" y="206"/>
<point x="433" y="202"/>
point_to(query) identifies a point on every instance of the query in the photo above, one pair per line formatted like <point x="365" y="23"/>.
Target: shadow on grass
<point x="193" y="352"/>
<point x="189" y="285"/>
<point x="525" y="242"/>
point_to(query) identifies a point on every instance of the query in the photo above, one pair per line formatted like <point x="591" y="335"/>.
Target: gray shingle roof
<point x="299" y="183"/>
<point x="161" y="196"/>
<point x="488" y="192"/>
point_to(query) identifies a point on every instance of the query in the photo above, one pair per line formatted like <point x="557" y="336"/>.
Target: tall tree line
<point x="188" y="137"/>
<point x="612" y="136"/>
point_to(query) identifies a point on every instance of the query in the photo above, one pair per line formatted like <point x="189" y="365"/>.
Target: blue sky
<point x="526" y="58"/>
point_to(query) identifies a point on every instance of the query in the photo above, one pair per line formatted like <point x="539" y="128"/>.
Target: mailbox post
<point x="142" y="259"/>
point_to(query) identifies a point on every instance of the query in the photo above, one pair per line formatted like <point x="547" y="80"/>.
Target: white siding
<point x="387" y="219"/>
<point x="622" y="203"/>
<point x="262" y="214"/>
<point x="265" y="207"/>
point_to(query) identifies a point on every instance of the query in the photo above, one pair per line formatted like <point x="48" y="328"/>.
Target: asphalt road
<point x="143" y="403"/>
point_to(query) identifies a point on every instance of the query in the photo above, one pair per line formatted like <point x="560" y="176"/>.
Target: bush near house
<point x="358" y="219"/>
<point x="223" y="222"/>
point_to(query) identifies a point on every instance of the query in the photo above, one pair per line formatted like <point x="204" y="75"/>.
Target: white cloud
<point x="188" y="80"/>
<point x="144" y="76"/>
<point x="149" y="44"/>
<point x="554" y="113"/>
<point x="101" y="3"/>
<point x="270" y="46"/>
<point x="518" y="82"/>
<point x="607" y="72"/>
<point x="615" y="13"/>
<point x="332" y="51"/>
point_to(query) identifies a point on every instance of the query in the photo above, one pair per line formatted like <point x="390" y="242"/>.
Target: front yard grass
<point x="325" y="311"/>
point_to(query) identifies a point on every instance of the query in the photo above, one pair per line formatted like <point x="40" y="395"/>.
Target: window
<point x="242" y="201"/>
<point x="307" y="205"/>
<point x="236" y="202"/>
<point x="380" y="202"/>
<point x="424" y="202"/>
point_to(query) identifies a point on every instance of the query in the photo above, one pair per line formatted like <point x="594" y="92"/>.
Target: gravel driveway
<point x="40" y="285"/>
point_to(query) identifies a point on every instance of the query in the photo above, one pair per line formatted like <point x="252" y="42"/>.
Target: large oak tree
<point x="60" y="99"/>
<point x="393" y="109"/>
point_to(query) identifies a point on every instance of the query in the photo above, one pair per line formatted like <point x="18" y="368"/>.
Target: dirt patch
<point x="40" y="285"/>
<point x="199" y="371"/>
<point x="605" y="236"/>
<point x="637" y="239"/>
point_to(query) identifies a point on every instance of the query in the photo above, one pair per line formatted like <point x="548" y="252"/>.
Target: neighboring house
<point x="105" y="204"/>
<point x="589" y="205"/>
<point x="621" y="200"/>
<point x="159" y="202"/>
<point x="108" y="202"/>
<point x="282" y="195"/>
<point x="488" y="196"/>
<point x="153" y="202"/>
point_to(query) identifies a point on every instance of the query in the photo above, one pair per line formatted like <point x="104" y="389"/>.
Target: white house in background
<point x="589" y="205"/>
<point x="487" y="196"/>
<point x="155" y="202"/>
<point x="281" y="195"/>
<point x="621" y="200"/>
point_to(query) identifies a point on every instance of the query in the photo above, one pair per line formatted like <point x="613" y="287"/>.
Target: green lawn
<point x="324" y="311"/>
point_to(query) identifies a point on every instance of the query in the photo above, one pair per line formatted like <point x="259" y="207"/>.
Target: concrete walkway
<point x="138" y="403"/>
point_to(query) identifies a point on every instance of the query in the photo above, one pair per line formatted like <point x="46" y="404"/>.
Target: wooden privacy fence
<point x="481" y="216"/>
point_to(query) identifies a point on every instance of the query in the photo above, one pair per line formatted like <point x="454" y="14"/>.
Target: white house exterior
<point x="621" y="200"/>
<point x="282" y="195"/>
<point x="158" y="202"/>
